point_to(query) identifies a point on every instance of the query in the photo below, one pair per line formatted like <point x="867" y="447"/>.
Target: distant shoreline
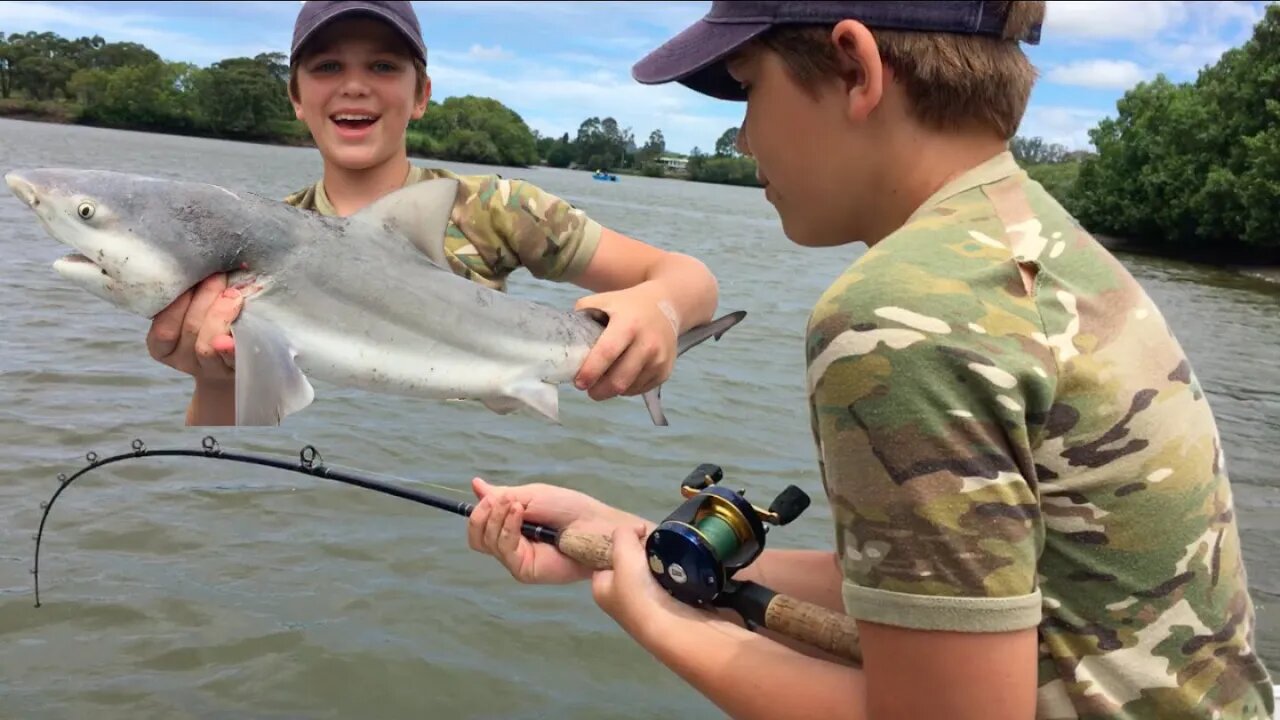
<point x="60" y="115"/>
<point x="1264" y="270"/>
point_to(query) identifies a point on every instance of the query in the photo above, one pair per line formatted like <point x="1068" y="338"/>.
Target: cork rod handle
<point x="803" y="621"/>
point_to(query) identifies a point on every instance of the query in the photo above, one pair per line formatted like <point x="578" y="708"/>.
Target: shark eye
<point x="85" y="210"/>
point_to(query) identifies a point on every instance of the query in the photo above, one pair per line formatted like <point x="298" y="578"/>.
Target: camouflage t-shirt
<point x="997" y="459"/>
<point x="499" y="225"/>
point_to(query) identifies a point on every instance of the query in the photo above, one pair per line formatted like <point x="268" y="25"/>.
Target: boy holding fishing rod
<point x="1032" y="510"/>
<point x="357" y="76"/>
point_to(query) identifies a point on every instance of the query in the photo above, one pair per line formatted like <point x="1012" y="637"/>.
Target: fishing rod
<point x="693" y="553"/>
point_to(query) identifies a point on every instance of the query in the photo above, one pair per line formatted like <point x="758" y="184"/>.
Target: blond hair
<point x="951" y="80"/>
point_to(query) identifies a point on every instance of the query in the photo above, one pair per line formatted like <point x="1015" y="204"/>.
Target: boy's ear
<point x="420" y="107"/>
<point x="861" y="70"/>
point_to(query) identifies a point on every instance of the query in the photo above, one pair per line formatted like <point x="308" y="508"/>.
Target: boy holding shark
<point x="357" y="77"/>
<point x="1032" y="511"/>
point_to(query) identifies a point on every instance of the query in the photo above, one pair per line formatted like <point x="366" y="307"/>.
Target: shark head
<point x="139" y="242"/>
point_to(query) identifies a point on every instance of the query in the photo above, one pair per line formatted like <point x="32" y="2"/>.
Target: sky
<point x="558" y="63"/>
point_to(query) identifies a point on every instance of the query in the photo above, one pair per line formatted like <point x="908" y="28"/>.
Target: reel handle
<point x="797" y="619"/>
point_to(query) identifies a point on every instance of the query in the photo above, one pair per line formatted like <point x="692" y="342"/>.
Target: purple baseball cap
<point x="400" y="15"/>
<point x="695" y="58"/>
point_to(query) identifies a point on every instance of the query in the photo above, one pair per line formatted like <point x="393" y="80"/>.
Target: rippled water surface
<point x="181" y="588"/>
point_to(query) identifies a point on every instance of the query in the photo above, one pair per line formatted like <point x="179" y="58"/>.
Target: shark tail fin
<point x="688" y="340"/>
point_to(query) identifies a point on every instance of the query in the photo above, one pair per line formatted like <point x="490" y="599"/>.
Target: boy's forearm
<point x="750" y="676"/>
<point x="689" y="286"/>
<point x="212" y="403"/>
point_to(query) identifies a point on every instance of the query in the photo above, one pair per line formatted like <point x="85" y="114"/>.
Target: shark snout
<point x="25" y="191"/>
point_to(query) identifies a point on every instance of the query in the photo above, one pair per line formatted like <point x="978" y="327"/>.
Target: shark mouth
<point x="78" y="265"/>
<point x="81" y="259"/>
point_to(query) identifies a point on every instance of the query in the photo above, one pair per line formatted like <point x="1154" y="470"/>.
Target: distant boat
<point x="604" y="176"/>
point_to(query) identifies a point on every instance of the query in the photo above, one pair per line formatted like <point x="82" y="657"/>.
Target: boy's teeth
<point x="352" y="117"/>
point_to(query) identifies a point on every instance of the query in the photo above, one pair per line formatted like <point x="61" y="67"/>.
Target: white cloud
<point x="1213" y="28"/>
<point x="1092" y="20"/>
<point x="1063" y="125"/>
<point x="1176" y="37"/>
<point x="482" y="53"/>
<point x="667" y="16"/>
<point x="72" y="20"/>
<point x="1107" y="74"/>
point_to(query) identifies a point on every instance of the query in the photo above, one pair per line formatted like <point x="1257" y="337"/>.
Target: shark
<point x="366" y="301"/>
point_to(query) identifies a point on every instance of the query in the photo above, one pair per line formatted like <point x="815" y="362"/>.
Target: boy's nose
<point x="354" y="84"/>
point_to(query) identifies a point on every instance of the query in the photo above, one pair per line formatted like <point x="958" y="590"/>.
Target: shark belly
<point x="505" y="364"/>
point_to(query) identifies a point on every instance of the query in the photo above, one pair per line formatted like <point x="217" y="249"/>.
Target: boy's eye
<point x="327" y="66"/>
<point x="384" y="67"/>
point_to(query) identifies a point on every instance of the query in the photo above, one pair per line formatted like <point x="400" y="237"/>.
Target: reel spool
<point x="695" y="551"/>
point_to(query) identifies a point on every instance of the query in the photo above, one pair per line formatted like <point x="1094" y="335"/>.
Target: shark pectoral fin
<point x="535" y="394"/>
<point x="269" y="384"/>
<point x="420" y="212"/>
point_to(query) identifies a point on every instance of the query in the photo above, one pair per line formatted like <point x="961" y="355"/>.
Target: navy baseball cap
<point x="400" y="15"/>
<point x="695" y="57"/>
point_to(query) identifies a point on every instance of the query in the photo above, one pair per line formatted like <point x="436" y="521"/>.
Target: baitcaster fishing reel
<point x="696" y="550"/>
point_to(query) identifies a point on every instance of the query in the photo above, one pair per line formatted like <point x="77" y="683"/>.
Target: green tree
<point x="478" y="129"/>
<point x="562" y="153"/>
<point x="1035" y="151"/>
<point x="727" y="145"/>
<point x="40" y="64"/>
<point x="243" y="96"/>
<point x="1193" y="167"/>
<point x="7" y="56"/>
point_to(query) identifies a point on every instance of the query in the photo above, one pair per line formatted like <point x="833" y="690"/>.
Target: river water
<point x="181" y="588"/>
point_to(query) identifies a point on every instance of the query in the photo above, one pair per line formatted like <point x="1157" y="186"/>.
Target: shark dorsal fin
<point x="419" y="211"/>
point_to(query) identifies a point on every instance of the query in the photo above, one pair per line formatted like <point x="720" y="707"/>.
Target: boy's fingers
<point x="611" y="345"/>
<point x="509" y="538"/>
<point x="606" y="350"/>
<point x="494" y="525"/>
<point x="166" y="327"/>
<point x="621" y="374"/>
<point x="223" y="310"/>
<point x="645" y="382"/>
<point x="476" y="524"/>
<point x="197" y="312"/>
<point x="225" y="346"/>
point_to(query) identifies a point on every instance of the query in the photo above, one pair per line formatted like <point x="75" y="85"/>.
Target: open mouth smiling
<point x="354" y="120"/>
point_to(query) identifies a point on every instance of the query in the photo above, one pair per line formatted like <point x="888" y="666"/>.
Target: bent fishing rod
<point x="693" y="553"/>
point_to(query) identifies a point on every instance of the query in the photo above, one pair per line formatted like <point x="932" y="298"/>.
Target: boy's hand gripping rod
<point x="693" y="553"/>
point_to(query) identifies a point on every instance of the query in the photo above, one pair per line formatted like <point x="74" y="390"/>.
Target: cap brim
<point x="695" y="58"/>
<point x="415" y="45"/>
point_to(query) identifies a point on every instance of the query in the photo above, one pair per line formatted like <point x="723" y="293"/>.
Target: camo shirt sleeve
<point x="500" y="225"/>
<point x="924" y="392"/>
